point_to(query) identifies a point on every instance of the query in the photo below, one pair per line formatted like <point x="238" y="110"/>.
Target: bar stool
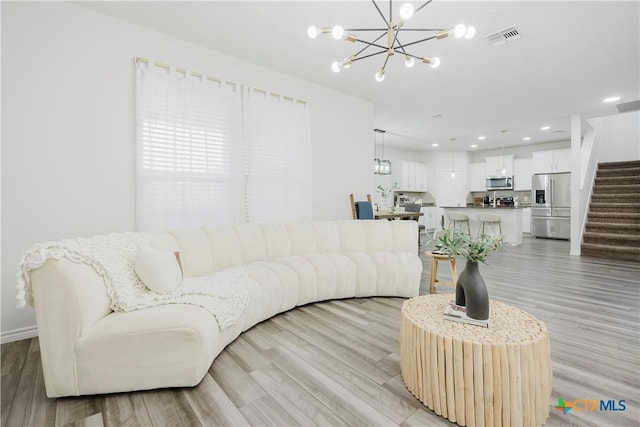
<point x="435" y="258"/>
<point x="490" y="221"/>
<point x="456" y="218"/>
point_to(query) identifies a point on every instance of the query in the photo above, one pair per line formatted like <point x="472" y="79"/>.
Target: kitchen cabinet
<point x="526" y="220"/>
<point x="552" y="161"/>
<point x="494" y="165"/>
<point x="429" y="217"/>
<point x="450" y="192"/>
<point x="477" y="177"/>
<point x="522" y="171"/>
<point x="414" y="176"/>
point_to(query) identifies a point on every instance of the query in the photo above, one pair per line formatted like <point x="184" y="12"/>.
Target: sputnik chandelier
<point x="395" y="31"/>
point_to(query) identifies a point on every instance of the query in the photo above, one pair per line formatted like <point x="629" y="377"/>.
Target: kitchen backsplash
<point x="523" y="196"/>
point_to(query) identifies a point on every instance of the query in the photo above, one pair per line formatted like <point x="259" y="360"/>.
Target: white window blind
<point x="189" y="169"/>
<point x="277" y="158"/>
<point x="210" y="152"/>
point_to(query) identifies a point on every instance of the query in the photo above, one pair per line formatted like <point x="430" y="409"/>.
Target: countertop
<point x="485" y="207"/>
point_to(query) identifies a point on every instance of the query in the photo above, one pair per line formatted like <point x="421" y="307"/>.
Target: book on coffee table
<point x="458" y="313"/>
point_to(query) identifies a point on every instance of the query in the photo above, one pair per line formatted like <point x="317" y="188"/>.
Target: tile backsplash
<point x="524" y="196"/>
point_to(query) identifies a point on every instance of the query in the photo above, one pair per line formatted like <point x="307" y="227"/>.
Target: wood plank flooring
<point x="336" y="363"/>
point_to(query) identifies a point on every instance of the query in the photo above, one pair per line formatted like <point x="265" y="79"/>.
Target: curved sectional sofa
<point x="87" y="348"/>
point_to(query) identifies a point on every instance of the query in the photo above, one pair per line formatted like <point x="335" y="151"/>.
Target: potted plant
<point x="386" y="192"/>
<point x="471" y="291"/>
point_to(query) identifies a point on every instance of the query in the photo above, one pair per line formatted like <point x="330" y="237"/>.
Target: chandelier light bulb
<point x="312" y="32"/>
<point x="337" y="32"/>
<point x="453" y="174"/>
<point x="406" y="11"/>
<point x="471" y="31"/>
<point x="380" y="75"/>
<point x="409" y="61"/>
<point x="459" y="30"/>
<point x="503" y="171"/>
<point x="336" y="66"/>
<point x="435" y="62"/>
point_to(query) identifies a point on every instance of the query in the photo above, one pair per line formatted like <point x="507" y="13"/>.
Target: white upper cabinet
<point x="414" y="176"/>
<point x="477" y="177"/>
<point x="522" y="171"/>
<point x="494" y="165"/>
<point x="553" y="161"/>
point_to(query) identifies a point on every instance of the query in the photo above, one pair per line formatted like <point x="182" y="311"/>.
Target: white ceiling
<point x="570" y="56"/>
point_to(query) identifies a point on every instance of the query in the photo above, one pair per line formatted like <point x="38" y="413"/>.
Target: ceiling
<point x="569" y="57"/>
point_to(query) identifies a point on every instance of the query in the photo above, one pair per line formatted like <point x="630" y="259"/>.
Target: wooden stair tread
<point x="611" y="248"/>
<point x="611" y="236"/>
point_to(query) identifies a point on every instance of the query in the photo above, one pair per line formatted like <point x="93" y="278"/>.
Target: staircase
<point x="613" y="222"/>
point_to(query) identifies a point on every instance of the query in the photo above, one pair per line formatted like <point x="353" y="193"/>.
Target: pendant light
<point x="453" y="172"/>
<point x="376" y="159"/>
<point x="381" y="166"/>
<point x="504" y="169"/>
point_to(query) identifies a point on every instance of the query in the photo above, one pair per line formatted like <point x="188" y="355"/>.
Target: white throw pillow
<point x="160" y="270"/>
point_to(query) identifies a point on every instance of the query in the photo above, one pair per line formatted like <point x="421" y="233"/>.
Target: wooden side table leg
<point x="454" y="272"/>
<point x="433" y="279"/>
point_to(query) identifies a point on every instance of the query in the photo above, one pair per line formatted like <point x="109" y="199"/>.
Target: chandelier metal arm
<point x="419" y="41"/>
<point x="385" y="62"/>
<point x="370" y="55"/>
<point x="425" y="3"/>
<point x="366" y="29"/>
<point x="380" y="12"/>
<point x="421" y="29"/>
<point x="369" y="44"/>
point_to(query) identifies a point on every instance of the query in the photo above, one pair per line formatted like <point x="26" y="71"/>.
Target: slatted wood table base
<point x="474" y="376"/>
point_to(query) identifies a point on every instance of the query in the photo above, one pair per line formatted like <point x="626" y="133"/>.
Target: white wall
<point x="520" y="151"/>
<point x="618" y="136"/>
<point x="68" y="166"/>
<point x="397" y="156"/>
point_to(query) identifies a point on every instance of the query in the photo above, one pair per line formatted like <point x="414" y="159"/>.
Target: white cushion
<point x="158" y="269"/>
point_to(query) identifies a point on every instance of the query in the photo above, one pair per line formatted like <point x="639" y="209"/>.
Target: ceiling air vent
<point x="628" y="106"/>
<point x="501" y="37"/>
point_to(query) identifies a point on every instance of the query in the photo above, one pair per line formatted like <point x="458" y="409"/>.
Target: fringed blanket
<point x="225" y="294"/>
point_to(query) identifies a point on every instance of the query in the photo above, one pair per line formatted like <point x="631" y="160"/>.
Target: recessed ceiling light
<point x="482" y="138"/>
<point x="611" y="99"/>
<point x="545" y="128"/>
<point x="526" y="138"/>
<point x="434" y="145"/>
<point x="474" y="145"/>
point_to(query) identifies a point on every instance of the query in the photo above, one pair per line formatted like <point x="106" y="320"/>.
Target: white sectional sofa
<point x="87" y="348"/>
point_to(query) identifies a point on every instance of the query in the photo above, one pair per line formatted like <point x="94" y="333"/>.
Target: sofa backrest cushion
<point x="208" y="250"/>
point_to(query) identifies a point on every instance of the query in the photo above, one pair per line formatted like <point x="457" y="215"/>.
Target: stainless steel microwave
<point x="499" y="183"/>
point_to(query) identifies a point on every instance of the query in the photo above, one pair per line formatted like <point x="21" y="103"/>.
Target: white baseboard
<point x="19" y="334"/>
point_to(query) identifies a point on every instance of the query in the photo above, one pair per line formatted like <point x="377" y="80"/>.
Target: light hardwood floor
<point x="336" y="362"/>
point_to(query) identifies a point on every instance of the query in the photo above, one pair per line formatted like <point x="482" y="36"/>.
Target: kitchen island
<point x="511" y="220"/>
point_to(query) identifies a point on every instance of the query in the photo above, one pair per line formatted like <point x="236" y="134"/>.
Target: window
<point x="211" y="152"/>
<point x="277" y="158"/>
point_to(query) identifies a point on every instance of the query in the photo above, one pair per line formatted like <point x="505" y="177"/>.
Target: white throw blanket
<point x="224" y="294"/>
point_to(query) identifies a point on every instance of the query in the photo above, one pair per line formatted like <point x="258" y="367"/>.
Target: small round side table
<point x="476" y="376"/>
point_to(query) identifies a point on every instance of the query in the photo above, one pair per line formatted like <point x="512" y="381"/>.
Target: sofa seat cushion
<point x="393" y="273"/>
<point x="322" y="276"/>
<point x="164" y="346"/>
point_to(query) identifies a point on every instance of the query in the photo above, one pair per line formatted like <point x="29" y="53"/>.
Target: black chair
<point x="415" y="207"/>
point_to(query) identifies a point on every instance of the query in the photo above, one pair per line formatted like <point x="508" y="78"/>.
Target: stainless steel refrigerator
<point x="551" y="210"/>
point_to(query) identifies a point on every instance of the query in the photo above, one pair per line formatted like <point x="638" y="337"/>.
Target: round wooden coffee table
<point x="476" y="376"/>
